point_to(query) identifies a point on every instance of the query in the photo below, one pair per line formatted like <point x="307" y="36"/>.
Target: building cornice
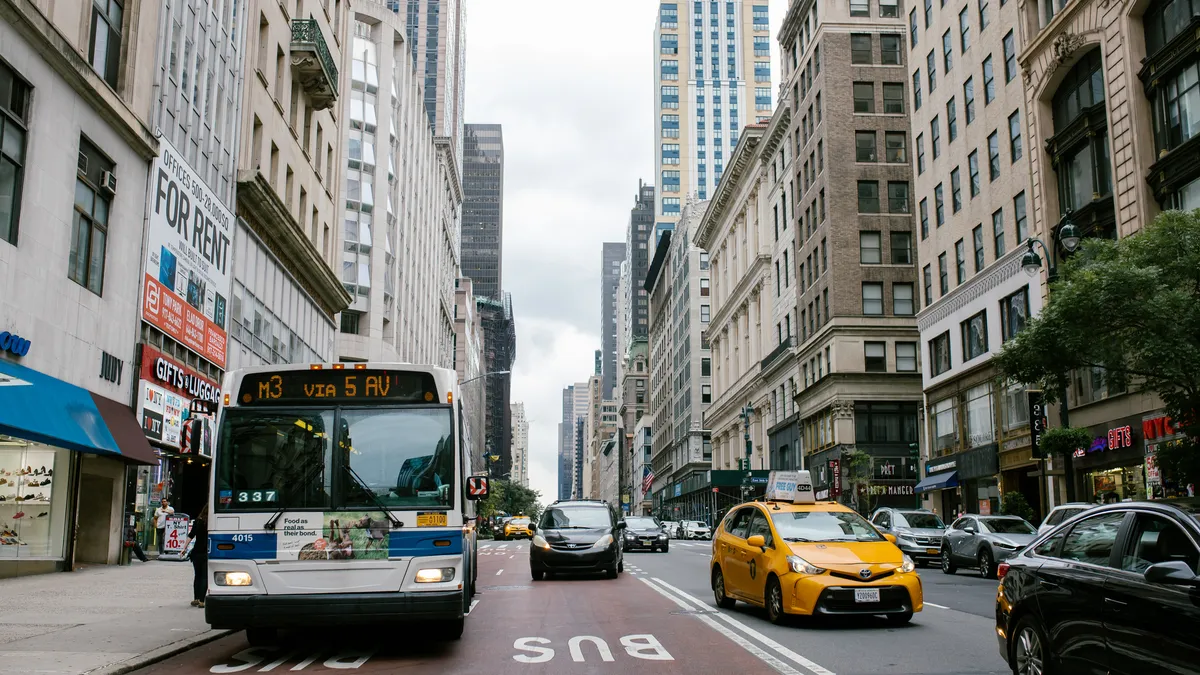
<point x="794" y="21"/>
<point x="731" y="185"/>
<point x="446" y="146"/>
<point x="999" y="272"/>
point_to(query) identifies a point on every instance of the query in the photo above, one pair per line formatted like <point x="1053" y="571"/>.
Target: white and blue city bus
<point x="340" y="496"/>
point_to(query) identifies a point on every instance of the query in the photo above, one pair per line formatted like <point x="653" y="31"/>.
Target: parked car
<point x="1112" y="591"/>
<point x="1061" y="514"/>
<point x="918" y="532"/>
<point x="577" y="536"/>
<point x="695" y="529"/>
<point x="646" y="533"/>
<point x="982" y="541"/>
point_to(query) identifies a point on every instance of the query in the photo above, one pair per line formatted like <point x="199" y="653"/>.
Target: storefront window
<point x="1114" y="485"/>
<point x="1016" y="406"/>
<point x="981" y="428"/>
<point x="32" y="505"/>
<point x="945" y="427"/>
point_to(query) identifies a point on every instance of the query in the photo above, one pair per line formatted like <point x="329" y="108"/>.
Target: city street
<point x="657" y="616"/>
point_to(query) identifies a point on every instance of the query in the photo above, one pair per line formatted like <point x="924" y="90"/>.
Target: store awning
<point x="938" y="481"/>
<point x="40" y="408"/>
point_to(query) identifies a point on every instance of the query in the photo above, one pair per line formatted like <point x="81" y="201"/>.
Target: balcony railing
<point x="777" y="352"/>
<point x="312" y="64"/>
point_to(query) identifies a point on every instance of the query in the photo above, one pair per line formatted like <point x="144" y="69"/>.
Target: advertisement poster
<point x="168" y="392"/>
<point x="341" y="535"/>
<point x="161" y="414"/>
<point x="188" y="253"/>
<point x="175" y="535"/>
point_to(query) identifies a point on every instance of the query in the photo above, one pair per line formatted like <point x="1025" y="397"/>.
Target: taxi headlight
<point x="435" y="575"/>
<point x="603" y="542"/>
<point x="908" y="565"/>
<point x="801" y="566"/>
<point x="540" y="541"/>
<point x="232" y="578"/>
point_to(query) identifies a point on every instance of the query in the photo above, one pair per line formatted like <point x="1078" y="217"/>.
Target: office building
<point x="566" y="443"/>
<point x="712" y="77"/>
<point x="469" y="364"/>
<point x="500" y="353"/>
<point x="632" y="404"/>
<point x="579" y="408"/>
<point x="520" y="445"/>
<point x="612" y="255"/>
<point x="399" y="253"/>
<point x="638" y="249"/>
<point x="483" y="208"/>
<point x="436" y="31"/>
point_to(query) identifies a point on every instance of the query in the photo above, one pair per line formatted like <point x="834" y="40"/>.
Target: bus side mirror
<point x="477" y="487"/>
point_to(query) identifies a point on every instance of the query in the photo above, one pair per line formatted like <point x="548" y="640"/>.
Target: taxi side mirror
<point x="890" y="537"/>
<point x="757" y="541"/>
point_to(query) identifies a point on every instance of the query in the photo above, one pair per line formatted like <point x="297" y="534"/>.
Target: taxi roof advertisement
<point x="188" y="253"/>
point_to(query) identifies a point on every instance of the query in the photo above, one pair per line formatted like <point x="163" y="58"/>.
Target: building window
<point x="984" y="19"/>
<point x="928" y="14"/>
<point x="924" y="219"/>
<point x="704" y="313"/>
<point x="974" y="336"/>
<point x="670" y="205"/>
<point x="898" y="197"/>
<point x="960" y="260"/>
<point x="931" y="70"/>
<point x="947" y="51"/>
<point x="705" y="370"/>
<point x="945" y="419"/>
<point x="706" y="393"/>
<point x="920" y="154"/>
<point x="864" y="97"/>
<point x="902" y="248"/>
<point x="969" y="99"/>
<point x="917" y="89"/>
<point x="977" y="239"/>
<point x="973" y="172"/>
<point x="704" y="288"/>
<point x="955" y="190"/>
<point x="980" y="416"/>
<point x="939" y="205"/>
<point x="998" y="232"/>
<point x="90" y="231"/>
<point x="989" y="81"/>
<point x="1014" y="135"/>
<point x="860" y="48"/>
<point x="669" y="44"/>
<point x="935" y="136"/>
<point x="872" y="298"/>
<point x="14" y="108"/>
<point x="906" y="357"/>
<point x="902" y="300"/>
<point x="927" y="277"/>
<point x="964" y="29"/>
<point x="1083" y="173"/>
<point x="943" y="274"/>
<point x="864" y="146"/>
<point x="893" y="98"/>
<point x="1014" y="313"/>
<point x="939" y="353"/>
<point x="1019" y="214"/>
<point x="868" y="196"/>
<point x="952" y="119"/>
<point x="350" y="322"/>
<point x="870" y="248"/>
<point x="889" y="50"/>
<point x="105" y="43"/>
<point x="860" y="8"/>
<point x="889" y="8"/>
<point x="993" y="156"/>
<point x="912" y="26"/>
<point x="1010" y="57"/>
<point x="875" y="354"/>
<point x="895" y="145"/>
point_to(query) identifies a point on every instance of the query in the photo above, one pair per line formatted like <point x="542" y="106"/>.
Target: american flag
<point x="647" y="478"/>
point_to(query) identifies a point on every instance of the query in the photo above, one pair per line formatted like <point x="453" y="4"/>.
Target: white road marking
<point x="513" y="555"/>
<point x="502" y="546"/>
<point x="775" y="663"/>
<point x="938" y="606"/>
<point x="780" y="649"/>
<point x="472" y="607"/>
<point x="499" y="572"/>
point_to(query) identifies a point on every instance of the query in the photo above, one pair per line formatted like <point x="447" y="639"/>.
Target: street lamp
<point x="480" y="377"/>
<point x="748" y="482"/>
<point x="1068" y="235"/>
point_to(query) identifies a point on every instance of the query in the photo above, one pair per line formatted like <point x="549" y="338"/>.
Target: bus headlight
<point x="435" y="575"/>
<point x="232" y="578"/>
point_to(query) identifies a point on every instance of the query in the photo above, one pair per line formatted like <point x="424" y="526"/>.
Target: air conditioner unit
<point x="108" y="182"/>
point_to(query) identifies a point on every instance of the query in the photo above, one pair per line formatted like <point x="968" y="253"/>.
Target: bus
<point x="341" y="494"/>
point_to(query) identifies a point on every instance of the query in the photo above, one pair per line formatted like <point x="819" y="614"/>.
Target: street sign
<point x="1037" y="421"/>
<point x="477" y="487"/>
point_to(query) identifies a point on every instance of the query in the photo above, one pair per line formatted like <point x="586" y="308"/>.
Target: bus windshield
<point x="335" y="460"/>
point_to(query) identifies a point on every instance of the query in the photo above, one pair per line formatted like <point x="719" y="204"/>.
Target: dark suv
<point x="577" y="536"/>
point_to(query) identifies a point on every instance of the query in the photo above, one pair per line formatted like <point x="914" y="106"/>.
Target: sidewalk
<point x="103" y="620"/>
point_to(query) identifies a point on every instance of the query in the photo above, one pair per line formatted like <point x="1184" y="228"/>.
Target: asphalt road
<point x="658" y="616"/>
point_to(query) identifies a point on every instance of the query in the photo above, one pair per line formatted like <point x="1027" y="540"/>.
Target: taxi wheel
<point x="948" y="565"/>
<point x="899" y="618"/>
<point x="723" y="601"/>
<point x="774" y="602"/>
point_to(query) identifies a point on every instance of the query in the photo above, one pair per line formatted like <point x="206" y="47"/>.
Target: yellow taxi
<point x="518" y="527"/>
<point x="794" y="555"/>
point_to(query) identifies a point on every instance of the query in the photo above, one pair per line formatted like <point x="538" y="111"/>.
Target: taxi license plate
<point x="431" y="520"/>
<point x="866" y="595"/>
<point x="932" y="551"/>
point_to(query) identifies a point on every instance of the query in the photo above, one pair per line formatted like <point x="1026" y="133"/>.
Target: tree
<point x="1015" y="504"/>
<point x="510" y="498"/>
<point x="1130" y="307"/>
<point x="857" y="465"/>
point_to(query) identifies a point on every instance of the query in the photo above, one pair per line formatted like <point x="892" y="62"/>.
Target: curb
<point x="161" y="654"/>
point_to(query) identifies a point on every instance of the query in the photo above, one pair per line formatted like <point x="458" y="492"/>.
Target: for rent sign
<point x="188" y="253"/>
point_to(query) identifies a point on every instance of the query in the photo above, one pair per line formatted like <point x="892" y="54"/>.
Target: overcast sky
<point x="572" y="82"/>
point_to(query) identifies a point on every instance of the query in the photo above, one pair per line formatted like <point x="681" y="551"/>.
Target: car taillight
<point x="1001" y="570"/>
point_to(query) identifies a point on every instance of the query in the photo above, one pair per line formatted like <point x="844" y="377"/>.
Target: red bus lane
<point x="571" y="625"/>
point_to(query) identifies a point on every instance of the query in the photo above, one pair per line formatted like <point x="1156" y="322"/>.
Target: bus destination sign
<point x="336" y="387"/>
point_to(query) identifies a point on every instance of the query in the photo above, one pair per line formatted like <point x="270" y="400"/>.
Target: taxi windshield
<point x="522" y="521"/>
<point x="803" y="526"/>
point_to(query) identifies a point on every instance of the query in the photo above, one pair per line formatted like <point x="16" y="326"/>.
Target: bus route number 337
<point x="256" y="496"/>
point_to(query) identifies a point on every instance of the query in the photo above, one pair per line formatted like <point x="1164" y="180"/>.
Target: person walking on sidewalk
<point x="160" y="522"/>
<point x="199" y="556"/>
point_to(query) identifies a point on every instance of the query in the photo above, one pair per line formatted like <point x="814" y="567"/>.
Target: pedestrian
<point x="160" y="522"/>
<point x="132" y="543"/>
<point x="199" y="556"/>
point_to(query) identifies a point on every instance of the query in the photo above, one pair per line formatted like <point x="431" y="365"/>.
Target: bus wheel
<point x="261" y="637"/>
<point x="453" y="630"/>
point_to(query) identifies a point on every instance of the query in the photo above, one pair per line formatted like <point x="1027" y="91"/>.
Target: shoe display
<point x="43" y="514"/>
<point x="18" y="514"/>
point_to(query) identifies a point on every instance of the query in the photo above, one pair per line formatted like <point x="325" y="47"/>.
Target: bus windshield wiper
<point x="274" y="518"/>
<point x="374" y="497"/>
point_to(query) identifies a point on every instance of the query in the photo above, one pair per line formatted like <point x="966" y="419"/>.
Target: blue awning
<point x="938" y="481"/>
<point x="43" y="409"/>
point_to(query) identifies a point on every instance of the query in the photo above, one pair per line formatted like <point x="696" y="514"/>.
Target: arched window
<point x="1082" y="88"/>
<point x="1079" y="147"/>
<point x="1166" y="19"/>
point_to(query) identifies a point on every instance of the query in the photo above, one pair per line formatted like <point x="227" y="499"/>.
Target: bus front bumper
<point x="236" y="612"/>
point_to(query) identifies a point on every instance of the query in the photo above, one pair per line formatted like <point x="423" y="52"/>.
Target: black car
<point x="645" y="533"/>
<point x="1113" y="590"/>
<point x="577" y="536"/>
